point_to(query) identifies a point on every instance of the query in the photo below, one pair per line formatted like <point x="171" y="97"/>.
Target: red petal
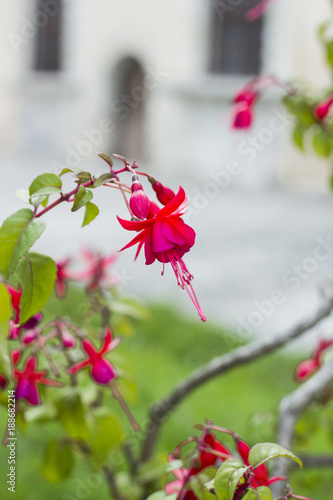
<point x="173" y="204"/>
<point x="178" y="232"/>
<point x="134" y="225"/>
<point x="139" y="237"/>
<point x="159" y="242"/>
<point x="150" y="257"/>
<point x="107" y="341"/>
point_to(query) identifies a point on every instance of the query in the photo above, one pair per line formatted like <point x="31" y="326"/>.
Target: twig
<point x="317" y="460"/>
<point x="245" y="354"/>
<point x="292" y="406"/>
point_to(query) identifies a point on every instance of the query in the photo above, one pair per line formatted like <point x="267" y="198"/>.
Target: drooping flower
<point x="308" y="367"/>
<point x="27" y="380"/>
<point x="15" y="328"/>
<point x="259" y="475"/>
<point x="322" y="109"/>
<point x="102" y="371"/>
<point x="211" y="451"/>
<point x="166" y="237"/>
<point x="244" y="101"/>
<point x="96" y="272"/>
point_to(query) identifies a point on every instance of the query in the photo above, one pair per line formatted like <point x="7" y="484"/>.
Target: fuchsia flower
<point x="15" y="327"/>
<point x="308" y="367"/>
<point x="259" y="10"/>
<point x="27" y="380"/>
<point x="243" y="108"/>
<point x="96" y="273"/>
<point x="102" y="371"/>
<point x="166" y="237"/>
<point x="259" y="475"/>
<point x="322" y="109"/>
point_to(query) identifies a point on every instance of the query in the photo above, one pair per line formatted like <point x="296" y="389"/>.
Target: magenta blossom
<point x="102" y="371"/>
<point x="259" y="10"/>
<point x="63" y="275"/>
<point x="308" y="367"/>
<point x="166" y="237"/>
<point x="322" y="109"/>
<point x="27" y="380"/>
<point x="96" y="273"/>
<point x="15" y="328"/>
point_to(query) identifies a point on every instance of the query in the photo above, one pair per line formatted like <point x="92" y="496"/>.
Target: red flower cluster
<point x="243" y="107"/>
<point x="308" y="367"/>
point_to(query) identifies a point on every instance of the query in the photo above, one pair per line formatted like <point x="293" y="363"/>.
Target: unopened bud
<point x="163" y="193"/>
<point x="67" y="339"/>
<point x="30" y="336"/>
<point x="305" y="369"/>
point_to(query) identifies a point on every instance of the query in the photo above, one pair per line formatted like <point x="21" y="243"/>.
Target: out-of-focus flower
<point x="15" y="328"/>
<point x="63" y="276"/>
<point x="308" y="367"/>
<point x="166" y="237"/>
<point x="244" y="101"/>
<point x="96" y="272"/>
<point x="27" y="380"/>
<point x="322" y="109"/>
<point x="102" y="371"/>
<point x="259" y="10"/>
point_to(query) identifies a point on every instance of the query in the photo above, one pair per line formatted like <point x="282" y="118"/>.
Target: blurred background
<point x="154" y="83"/>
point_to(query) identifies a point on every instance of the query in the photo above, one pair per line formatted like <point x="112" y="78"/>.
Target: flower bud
<point x="243" y="116"/>
<point x="163" y="193"/>
<point x="139" y="201"/>
<point x="244" y="450"/>
<point x="305" y="369"/>
<point x="67" y="339"/>
<point x="32" y="322"/>
<point x="322" y="108"/>
<point x="30" y="336"/>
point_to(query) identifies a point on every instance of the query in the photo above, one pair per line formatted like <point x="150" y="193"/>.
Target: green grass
<point x="164" y="350"/>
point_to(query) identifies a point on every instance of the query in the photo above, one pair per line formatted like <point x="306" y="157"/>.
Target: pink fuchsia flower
<point x="14" y="324"/>
<point x="96" y="273"/>
<point x="243" y="116"/>
<point x="322" y="109"/>
<point x="178" y="486"/>
<point x="166" y="237"/>
<point x="163" y="193"/>
<point x="27" y="381"/>
<point x="3" y="381"/>
<point x="259" y="475"/>
<point x="211" y="450"/>
<point x="102" y="371"/>
<point x="63" y="275"/>
<point x="308" y="367"/>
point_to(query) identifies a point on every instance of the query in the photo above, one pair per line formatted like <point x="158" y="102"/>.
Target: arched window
<point x="235" y="42"/>
<point x="128" y="108"/>
<point x="48" y="18"/>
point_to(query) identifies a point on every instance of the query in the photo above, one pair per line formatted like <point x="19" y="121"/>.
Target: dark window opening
<point x="48" y="18"/>
<point x="235" y="42"/>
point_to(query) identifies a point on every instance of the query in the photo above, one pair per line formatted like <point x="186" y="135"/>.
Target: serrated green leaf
<point x="23" y="195"/>
<point x="107" y="433"/>
<point x="36" y="274"/>
<point x="71" y="414"/>
<point x="5" y="315"/>
<point x="102" y="180"/>
<point x="91" y="213"/>
<point x="17" y="235"/>
<point x="58" y="462"/>
<point x="322" y="143"/>
<point x="45" y="181"/>
<point x="82" y="197"/>
<point x="261" y="453"/>
<point x="227" y="478"/>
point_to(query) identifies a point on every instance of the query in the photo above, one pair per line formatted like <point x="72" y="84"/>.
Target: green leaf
<point x="161" y="495"/>
<point x="107" y="433"/>
<point x="84" y="176"/>
<point x="322" y="143"/>
<point x="102" y="180"/>
<point x="261" y="493"/>
<point x="227" y="478"/>
<point x="36" y="274"/>
<point x="58" y="462"/>
<point x="329" y="52"/>
<point x="298" y="135"/>
<point x="23" y="195"/>
<point x="106" y="158"/>
<point x="17" y="235"/>
<point x="82" y="197"/>
<point x="250" y="495"/>
<point x="71" y="414"/>
<point x="50" y="183"/>
<point x="91" y="213"/>
<point x="5" y="315"/>
<point x="261" y="453"/>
